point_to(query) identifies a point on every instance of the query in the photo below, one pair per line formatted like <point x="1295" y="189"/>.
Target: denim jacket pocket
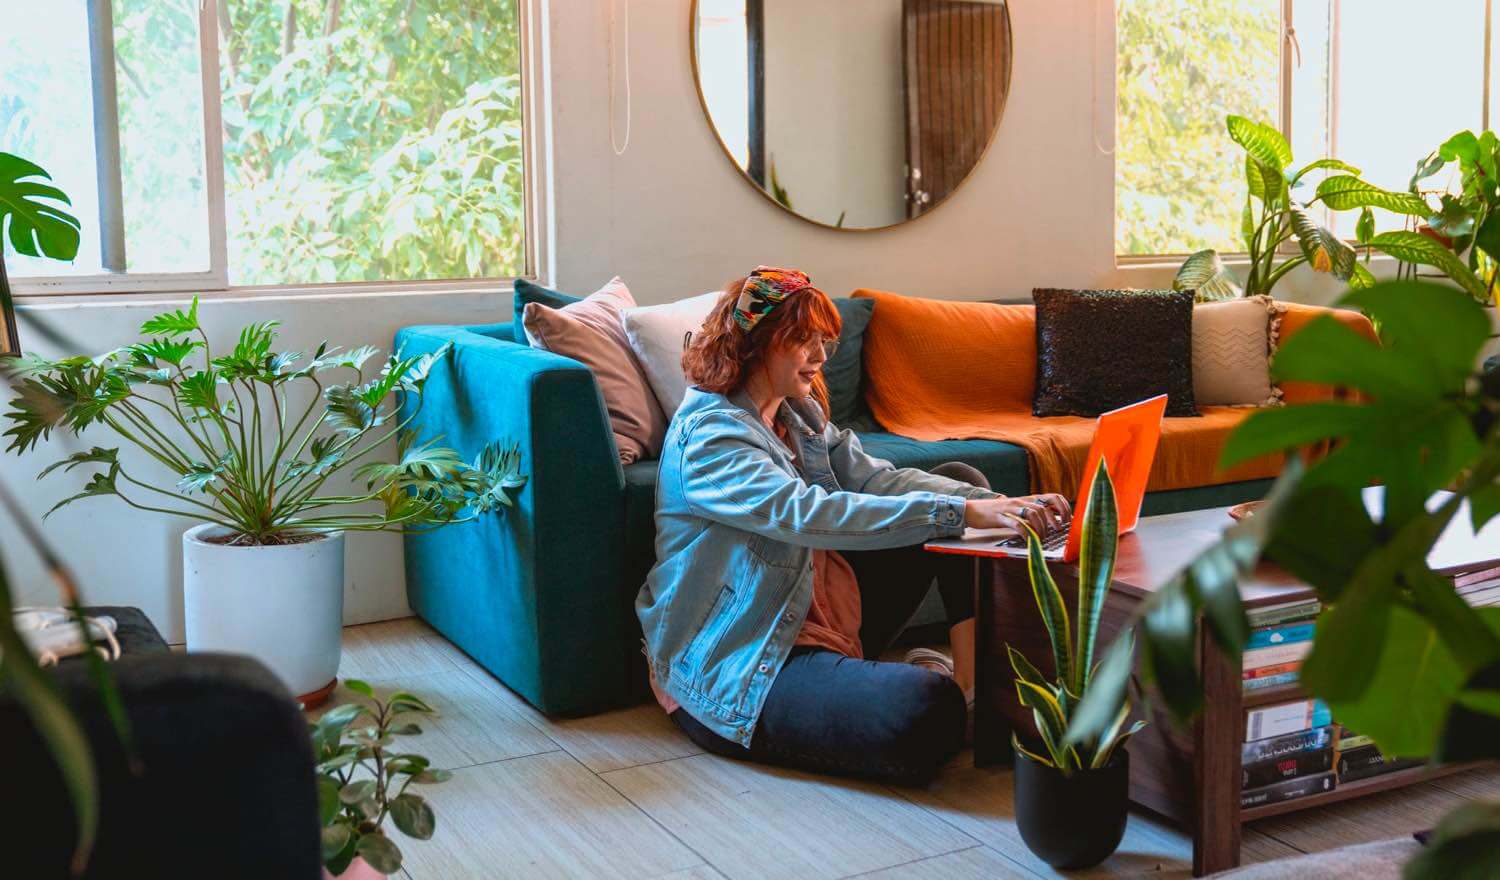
<point x="709" y="632"/>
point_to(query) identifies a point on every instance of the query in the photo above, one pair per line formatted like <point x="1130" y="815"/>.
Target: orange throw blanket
<point x="942" y="370"/>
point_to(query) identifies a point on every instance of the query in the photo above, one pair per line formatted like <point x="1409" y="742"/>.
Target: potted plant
<point x="1071" y="798"/>
<point x="250" y="438"/>
<point x="361" y="783"/>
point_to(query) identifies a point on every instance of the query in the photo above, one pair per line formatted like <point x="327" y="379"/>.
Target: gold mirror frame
<point x="755" y="184"/>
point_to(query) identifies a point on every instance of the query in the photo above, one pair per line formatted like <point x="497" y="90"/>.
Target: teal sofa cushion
<point x="527" y="292"/>
<point x="844" y="372"/>
<point x="1003" y="464"/>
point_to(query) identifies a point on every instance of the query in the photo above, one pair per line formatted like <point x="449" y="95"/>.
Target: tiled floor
<point x="626" y="795"/>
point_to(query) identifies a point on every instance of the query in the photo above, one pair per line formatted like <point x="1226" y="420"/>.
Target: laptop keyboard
<point x="1054" y="541"/>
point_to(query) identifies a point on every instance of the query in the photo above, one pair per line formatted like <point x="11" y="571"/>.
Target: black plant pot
<point x="1072" y="821"/>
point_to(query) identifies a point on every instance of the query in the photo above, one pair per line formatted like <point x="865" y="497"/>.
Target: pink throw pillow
<point x="590" y="332"/>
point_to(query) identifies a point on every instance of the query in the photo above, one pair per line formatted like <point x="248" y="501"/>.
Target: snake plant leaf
<point x="1101" y="759"/>
<point x="1024" y="668"/>
<point x="1051" y="721"/>
<point x="1204" y="272"/>
<point x="1264" y="143"/>
<point x="1343" y="192"/>
<point x="1324" y="251"/>
<point x="1049" y="602"/>
<point x="38" y="227"/>
<point x="1096" y="570"/>
<point x="1106" y="693"/>
<point x="1414" y="247"/>
<point x="1016" y="743"/>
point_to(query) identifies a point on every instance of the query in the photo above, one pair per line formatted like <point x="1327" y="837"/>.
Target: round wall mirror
<point x="855" y="114"/>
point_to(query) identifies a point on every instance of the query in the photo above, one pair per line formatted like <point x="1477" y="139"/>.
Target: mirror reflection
<point x="854" y="113"/>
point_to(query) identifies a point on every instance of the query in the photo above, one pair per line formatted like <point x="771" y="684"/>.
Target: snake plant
<point x="1053" y="701"/>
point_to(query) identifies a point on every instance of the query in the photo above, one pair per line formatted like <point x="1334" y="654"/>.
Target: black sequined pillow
<point x="1098" y="350"/>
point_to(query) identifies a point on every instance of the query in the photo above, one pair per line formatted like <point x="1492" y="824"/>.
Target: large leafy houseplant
<point x="1467" y="222"/>
<point x="243" y="452"/>
<point x="1274" y="215"/>
<point x="1053" y="701"/>
<point x="1397" y="654"/>
<point x="362" y="781"/>
<point x="34" y="224"/>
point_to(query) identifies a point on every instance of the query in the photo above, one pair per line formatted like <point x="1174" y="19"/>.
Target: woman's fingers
<point x="1058" y="505"/>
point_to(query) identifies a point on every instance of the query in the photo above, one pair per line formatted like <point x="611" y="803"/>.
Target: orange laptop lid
<point x="1126" y="438"/>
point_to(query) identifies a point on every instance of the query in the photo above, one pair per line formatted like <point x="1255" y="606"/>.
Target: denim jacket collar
<point x="802" y="415"/>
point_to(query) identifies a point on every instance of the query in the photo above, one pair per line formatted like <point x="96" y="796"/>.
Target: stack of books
<point x="1288" y="753"/>
<point x="1359" y="758"/>
<point x="1480" y="589"/>
<point x="1280" y="637"/>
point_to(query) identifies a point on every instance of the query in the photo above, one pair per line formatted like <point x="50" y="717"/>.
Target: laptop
<point x="1126" y="438"/>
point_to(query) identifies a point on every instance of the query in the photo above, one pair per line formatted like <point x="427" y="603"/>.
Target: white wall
<point x="674" y="217"/>
<point x="835" y="119"/>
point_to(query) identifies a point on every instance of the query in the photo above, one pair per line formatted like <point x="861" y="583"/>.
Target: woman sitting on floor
<point x="787" y="558"/>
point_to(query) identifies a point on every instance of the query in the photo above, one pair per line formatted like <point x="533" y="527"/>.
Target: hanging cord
<point x="1094" y="84"/>
<point x="619" y="148"/>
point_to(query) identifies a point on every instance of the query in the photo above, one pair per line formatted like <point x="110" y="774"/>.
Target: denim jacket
<point x="736" y="524"/>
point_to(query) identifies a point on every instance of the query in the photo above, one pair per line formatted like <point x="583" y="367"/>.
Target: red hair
<point x="722" y="355"/>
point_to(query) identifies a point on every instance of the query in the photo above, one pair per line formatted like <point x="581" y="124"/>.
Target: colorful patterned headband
<point x="764" y="290"/>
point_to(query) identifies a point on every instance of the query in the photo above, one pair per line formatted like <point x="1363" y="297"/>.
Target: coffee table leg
<point x="991" y="732"/>
<point x="1217" y="736"/>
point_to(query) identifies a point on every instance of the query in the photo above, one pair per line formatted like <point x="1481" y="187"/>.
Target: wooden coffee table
<point x="1189" y="775"/>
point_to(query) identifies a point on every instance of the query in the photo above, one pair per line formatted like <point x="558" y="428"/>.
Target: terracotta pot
<point x="359" y="869"/>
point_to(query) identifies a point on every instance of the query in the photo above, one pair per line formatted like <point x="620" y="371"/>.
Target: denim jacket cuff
<point x="948" y="514"/>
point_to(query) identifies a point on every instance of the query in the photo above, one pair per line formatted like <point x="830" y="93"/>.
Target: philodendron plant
<point x="242" y="453"/>
<point x="361" y="782"/>
<point x="1053" y="701"/>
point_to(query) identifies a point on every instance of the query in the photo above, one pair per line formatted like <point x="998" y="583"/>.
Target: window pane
<point x="46" y="115"/>
<point x="1181" y="68"/>
<point x="1384" y="117"/>
<point x="370" y="140"/>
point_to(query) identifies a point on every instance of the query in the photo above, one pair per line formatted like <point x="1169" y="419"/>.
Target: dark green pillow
<point x="844" y="372"/>
<point x="526" y="292"/>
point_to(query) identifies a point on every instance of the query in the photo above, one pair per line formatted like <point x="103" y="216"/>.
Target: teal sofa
<point x="542" y="594"/>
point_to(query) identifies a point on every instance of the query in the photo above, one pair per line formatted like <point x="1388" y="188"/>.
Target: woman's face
<point x="791" y="369"/>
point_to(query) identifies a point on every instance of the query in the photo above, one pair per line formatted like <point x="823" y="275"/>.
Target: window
<point x="353" y="140"/>
<point x="1183" y="66"/>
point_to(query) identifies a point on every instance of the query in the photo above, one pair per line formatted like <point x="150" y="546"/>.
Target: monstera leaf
<point x="37" y="227"/>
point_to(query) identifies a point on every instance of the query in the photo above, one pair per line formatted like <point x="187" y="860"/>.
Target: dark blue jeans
<point x="849" y="716"/>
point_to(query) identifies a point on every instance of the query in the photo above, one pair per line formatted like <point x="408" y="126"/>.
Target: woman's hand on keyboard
<point x="1042" y="513"/>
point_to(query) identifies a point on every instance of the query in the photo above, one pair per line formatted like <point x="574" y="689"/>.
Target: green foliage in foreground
<point x="1053" y="701"/>
<point x="361" y="781"/>
<point x="243" y="455"/>
<point x="1397" y="653"/>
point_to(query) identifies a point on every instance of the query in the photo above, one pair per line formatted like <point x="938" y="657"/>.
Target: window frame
<point x="1284" y="87"/>
<point x="215" y="281"/>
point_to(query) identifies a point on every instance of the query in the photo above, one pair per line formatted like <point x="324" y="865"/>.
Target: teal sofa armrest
<point x="535" y="592"/>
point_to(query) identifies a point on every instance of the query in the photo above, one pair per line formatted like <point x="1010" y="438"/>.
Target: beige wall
<point x="673" y="217"/>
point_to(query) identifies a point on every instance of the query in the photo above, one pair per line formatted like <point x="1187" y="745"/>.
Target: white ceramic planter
<point x="282" y="605"/>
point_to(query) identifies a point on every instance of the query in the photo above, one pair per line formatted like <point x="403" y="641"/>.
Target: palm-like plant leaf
<point x="38" y="227"/>
<point x="101" y="484"/>
<point x="96" y="455"/>
<point x="173" y="323"/>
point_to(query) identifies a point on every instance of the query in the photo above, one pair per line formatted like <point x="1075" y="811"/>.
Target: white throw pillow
<point x="656" y="335"/>
<point x="1232" y="346"/>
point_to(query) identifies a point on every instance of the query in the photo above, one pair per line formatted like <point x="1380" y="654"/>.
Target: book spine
<point x="1263" y="671"/>
<point x="1366" y="761"/>
<point x="1289" y="790"/>
<point x="1275" y="655"/>
<point x="1283" y="746"/>
<point x="1267" y="636"/>
<point x="1307" y="763"/>
<point x="1349" y="742"/>
<point x="1269" y="681"/>
<point x="1284" y="718"/>
<point x="1277" y="614"/>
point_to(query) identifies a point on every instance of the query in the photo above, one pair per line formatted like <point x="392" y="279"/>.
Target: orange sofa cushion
<point x="942" y="370"/>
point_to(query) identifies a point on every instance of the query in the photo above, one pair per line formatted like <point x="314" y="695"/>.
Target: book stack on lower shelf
<point x="1288" y="753"/>
<point x="1280" y="637"/>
